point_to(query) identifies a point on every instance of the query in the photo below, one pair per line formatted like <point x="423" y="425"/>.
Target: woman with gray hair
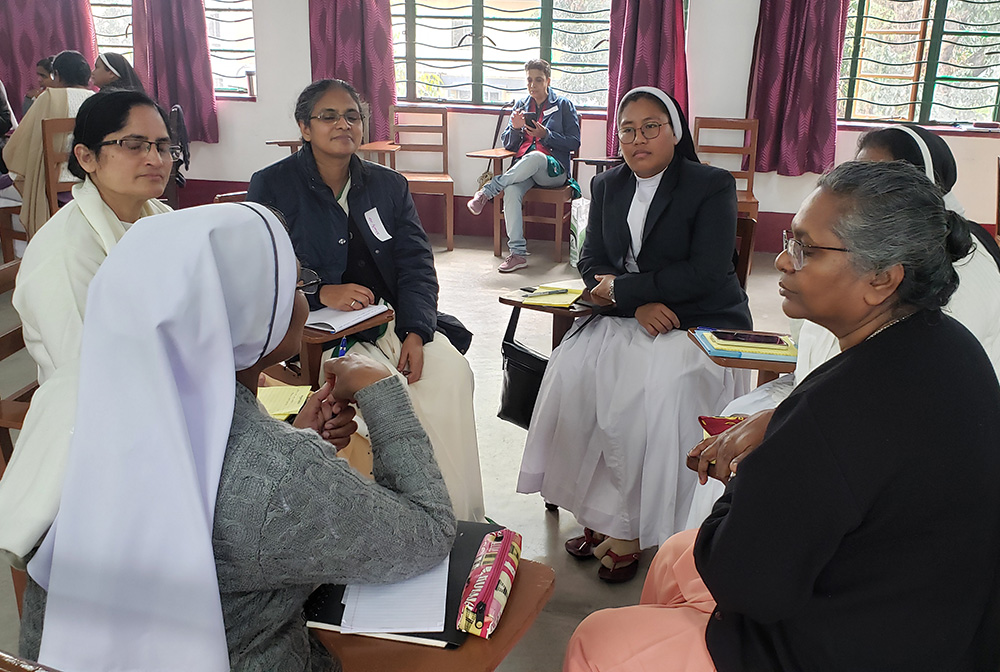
<point x="846" y="541"/>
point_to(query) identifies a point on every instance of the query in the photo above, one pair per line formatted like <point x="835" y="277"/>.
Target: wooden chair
<point x="231" y="197"/>
<point x="14" y="407"/>
<point x="747" y="152"/>
<point x="53" y="154"/>
<point x="557" y="213"/>
<point x="9" y="663"/>
<point x="426" y="182"/>
<point x="533" y="586"/>
<point x="7" y="232"/>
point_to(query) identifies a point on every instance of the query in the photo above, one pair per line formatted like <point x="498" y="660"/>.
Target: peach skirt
<point x="665" y="632"/>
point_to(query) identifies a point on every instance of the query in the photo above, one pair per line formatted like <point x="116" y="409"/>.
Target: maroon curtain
<point x="30" y="30"/>
<point x="352" y="40"/>
<point x="171" y="57"/>
<point x="647" y="49"/>
<point x="793" y="88"/>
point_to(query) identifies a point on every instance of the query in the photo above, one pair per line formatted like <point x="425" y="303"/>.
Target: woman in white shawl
<point x="23" y="152"/>
<point x="122" y="153"/>
<point x="193" y="526"/>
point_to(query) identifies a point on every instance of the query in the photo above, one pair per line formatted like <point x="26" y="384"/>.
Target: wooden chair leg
<point x="20" y="580"/>
<point x="6" y="236"/>
<point x="559" y="231"/>
<point x="497" y="206"/>
<point x="6" y="448"/>
<point x="311" y="355"/>
<point x="449" y="218"/>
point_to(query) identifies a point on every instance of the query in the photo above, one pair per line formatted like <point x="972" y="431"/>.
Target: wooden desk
<point x="533" y="586"/>
<point x="562" y="318"/>
<point x="767" y="370"/>
<point x="311" y="351"/>
<point x="497" y="155"/>
<point x="600" y="163"/>
<point x="383" y="149"/>
<point x="292" y="145"/>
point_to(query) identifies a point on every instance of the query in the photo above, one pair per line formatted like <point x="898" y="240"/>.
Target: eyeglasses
<point x="649" y="131"/>
<point x="308" y="281"/>
<point x="332" y="117"/>
<point x="796" y="249"/>
<point x="138" y="147"/>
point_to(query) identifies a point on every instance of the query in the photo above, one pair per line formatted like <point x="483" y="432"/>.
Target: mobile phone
<point x="748" y="337"/>
<point x="530" y="118"/>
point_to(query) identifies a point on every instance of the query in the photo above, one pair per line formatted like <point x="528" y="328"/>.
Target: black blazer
<point x="686" y="259"/>
<point x="318" y="228"/>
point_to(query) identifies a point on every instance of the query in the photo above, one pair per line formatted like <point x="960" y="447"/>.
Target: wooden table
<point x="767" y="370"/>
<point x="497" y="155"/>
<point x="383" y="149"/>
<point x="562" y="318"/>
<point x="292" y="145"/>
<point x="533" y="586"/>
<point x="600" y="163"/>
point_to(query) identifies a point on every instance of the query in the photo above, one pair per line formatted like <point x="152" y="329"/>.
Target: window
<point x="927" y="61"/>
<point x="230" y="39"/>
<point x="474" y="51"/>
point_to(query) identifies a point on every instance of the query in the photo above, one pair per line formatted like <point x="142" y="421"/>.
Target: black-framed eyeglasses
<point x="796" y="249"/>
<point x="332" y="116"/>
<point x="138" y="147"/>
<point x="649" y="131"/>
<point x="308" y="281"/>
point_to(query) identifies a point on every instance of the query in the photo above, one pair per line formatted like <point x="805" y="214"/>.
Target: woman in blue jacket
<point x="353" y="223"/>
<point x="543" y="148"/>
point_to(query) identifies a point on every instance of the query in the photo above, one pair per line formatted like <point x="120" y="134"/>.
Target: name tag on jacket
<point x="376" y="225"/>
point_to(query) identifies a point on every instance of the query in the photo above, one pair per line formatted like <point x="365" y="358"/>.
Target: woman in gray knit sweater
<point x="177" y="548"/>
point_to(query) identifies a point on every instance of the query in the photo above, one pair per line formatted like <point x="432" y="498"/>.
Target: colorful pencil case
<point x="488" y="586"/>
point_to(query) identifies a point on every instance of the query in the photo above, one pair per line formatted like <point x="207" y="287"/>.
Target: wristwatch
<point x="611" y="291"/>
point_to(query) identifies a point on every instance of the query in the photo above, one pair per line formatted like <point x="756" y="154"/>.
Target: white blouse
<point x="645" y="189"/>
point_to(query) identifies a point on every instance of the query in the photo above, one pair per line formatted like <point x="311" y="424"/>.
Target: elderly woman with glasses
<point x="354" y="224"/>
<point x="864" y="532"/>
<point x="619" y="404"/>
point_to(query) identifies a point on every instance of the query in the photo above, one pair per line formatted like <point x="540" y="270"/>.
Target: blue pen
<point x="343" y="347"/>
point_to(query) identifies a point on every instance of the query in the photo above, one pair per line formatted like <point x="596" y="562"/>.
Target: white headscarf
<point x="951" y="201"/>
<point x="675" y="117"/>
<point x="184" y="301"/>
<point x="107" y="64"/>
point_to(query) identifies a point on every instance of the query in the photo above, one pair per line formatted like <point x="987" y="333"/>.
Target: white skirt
<point x="442" y="401"/>
<point x="616" y="415"/>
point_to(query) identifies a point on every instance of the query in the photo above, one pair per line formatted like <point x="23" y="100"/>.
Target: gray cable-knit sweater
<point x="290" y="516"/>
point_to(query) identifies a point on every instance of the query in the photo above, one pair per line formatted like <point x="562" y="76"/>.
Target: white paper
<point x="376" y="225"/>
<point x="414" y="605"/>
<point x="333" y="320"/>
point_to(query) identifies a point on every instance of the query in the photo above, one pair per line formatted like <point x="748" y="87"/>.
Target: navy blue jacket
<point x="688" y="243"/>
<point x="562" y="123"/>
<point x="319" y="231"/>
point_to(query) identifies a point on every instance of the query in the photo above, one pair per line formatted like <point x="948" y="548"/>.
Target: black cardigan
<point x="864" y="532"/>
<point x="686" y="260"/>
<point x="319" y="231"/>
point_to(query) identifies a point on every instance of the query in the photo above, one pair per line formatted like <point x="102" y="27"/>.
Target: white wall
<point x="720" y="47"/>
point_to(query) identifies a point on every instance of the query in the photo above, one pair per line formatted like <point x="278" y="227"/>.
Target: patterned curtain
<point x="793" y="89"/>
<point x="30" y="30"/>
<point x="171" y="57"/>
<point x="352" y="40"/>
<point x="647" y="49"/>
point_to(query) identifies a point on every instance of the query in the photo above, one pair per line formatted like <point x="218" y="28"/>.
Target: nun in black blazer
<point x="618" y="407"/>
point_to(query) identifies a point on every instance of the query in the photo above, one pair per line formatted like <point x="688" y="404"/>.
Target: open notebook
<point x="329" y="319"/>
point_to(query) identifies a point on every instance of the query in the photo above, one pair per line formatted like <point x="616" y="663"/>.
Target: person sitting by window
<point x="225" y="519"/>
<point x="112" y="71"/>
<point x="544" y="129"/>
<point x="354" y="224"/>
<point x="864" y="532"/>
<point x="43" y="71"/>
<point x="619" y="403"/>
<point x="976" y="304"/>
<point x="23" y="153"/>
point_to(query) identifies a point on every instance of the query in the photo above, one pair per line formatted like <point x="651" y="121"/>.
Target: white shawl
<point x="182" y="303"/>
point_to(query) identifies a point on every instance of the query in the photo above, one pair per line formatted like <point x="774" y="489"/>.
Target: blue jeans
<point x="531" y="170"/>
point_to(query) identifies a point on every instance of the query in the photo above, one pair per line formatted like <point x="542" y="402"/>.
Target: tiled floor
<point x="469" y="289"/>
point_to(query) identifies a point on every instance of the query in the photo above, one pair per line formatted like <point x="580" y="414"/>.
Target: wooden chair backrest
<point x="53" y="155"/>
<point x="9" y="663"/>
<point x="436" y="125"/>
<point x="746" y="230"/>
<point x="747" y="151"/>
<point x="231" y="197"/>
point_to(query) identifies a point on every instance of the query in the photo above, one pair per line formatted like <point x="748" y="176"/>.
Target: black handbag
<point x="523" y="369"/>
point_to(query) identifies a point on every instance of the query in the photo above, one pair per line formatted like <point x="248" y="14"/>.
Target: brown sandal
<point x="582" y="547"/>
<point x="620" y="572"/>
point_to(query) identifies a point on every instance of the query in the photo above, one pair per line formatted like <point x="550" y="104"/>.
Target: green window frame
<point x="445" y="51"/>
<point x="924" y="61"/>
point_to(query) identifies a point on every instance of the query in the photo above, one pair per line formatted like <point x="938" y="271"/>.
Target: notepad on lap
<point x="281" y="401"/>
<point x="329" y="319"/>
<point x="414" y="605"/>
